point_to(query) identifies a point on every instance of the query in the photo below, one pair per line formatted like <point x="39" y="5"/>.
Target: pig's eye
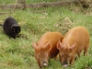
<point x="38" y="56"/>
<point x="62" y="55"/>
<point x="46" y="54"/>
<point x="69" y="56"/>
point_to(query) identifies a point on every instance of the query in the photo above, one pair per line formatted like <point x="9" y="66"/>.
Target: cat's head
<point x="15" y="29"/>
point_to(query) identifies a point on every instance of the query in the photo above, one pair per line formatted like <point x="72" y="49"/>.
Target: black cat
<point x="10" y="27"/>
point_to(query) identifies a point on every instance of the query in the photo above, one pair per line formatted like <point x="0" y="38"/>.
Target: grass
<point x="27" y="1"/>
<point x="19" y="53"/>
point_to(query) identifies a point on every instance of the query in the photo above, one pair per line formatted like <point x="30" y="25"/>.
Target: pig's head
<point x="66" y="53"/>
<point x="42" y="54"/>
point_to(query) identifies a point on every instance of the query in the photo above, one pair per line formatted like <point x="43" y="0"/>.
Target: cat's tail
<point x="1" y="25"/>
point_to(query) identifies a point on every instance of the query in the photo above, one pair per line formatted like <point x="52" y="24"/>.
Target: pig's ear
<point x="48" y="46"/>
<point x="34" y="46"/>
<point x="59" y="45"/>
<point x="73" y="47"/>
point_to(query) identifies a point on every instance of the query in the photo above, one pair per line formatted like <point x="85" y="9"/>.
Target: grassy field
<point x="19" y="53"/>
<point x="27" y="1"/>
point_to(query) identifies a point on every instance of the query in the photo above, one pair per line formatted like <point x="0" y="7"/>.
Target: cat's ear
<point x="18" y="29"/>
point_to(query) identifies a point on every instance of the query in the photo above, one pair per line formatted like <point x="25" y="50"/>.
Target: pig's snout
<point x="65" y="64"/>
<point x="45" y="64"/>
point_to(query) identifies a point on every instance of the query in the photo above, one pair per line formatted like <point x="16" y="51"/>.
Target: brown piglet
<point x="46" y="47"/>
<point x="75" y="41"/>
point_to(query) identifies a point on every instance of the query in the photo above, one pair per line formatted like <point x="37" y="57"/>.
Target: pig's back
<point x="77" y="35"/>
<point x="53" y="38"/>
